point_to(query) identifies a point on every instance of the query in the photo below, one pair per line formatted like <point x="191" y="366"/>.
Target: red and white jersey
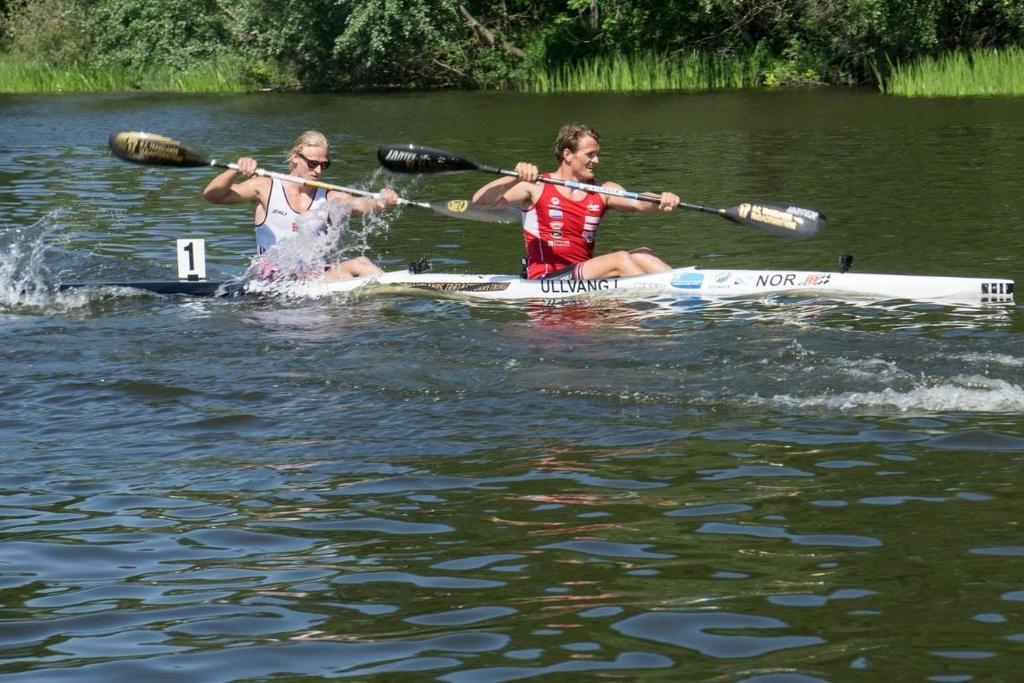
<point x="560" y="232"/>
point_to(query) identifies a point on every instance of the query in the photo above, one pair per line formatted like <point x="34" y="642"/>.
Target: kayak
<point x="691" y="281"/>
<point x="679" y="282"/>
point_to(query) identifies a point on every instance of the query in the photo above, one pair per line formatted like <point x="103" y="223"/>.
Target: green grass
<point x="979" y="72"/>
<point x="220" y="75"/>
<point x="650" y="72"/>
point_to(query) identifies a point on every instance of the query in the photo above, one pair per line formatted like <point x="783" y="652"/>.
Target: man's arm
<point x="364" y="205"/>
<point x="509" y="191"/>
<point x="224" y="190"/>
<point x="668" y="202"/>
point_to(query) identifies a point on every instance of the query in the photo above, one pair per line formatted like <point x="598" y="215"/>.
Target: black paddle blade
<point x="461" y="208"/>
<point x="786" y="220"/>
<point x="150" y="148"/>
<point x="411" y="158"/>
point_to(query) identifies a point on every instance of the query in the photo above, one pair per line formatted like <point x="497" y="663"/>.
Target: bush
<point x="48" y="29"/>
<point x="359" y="44"/>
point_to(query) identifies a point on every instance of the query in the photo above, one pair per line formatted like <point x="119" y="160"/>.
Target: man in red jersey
<point x="560" y="224"/>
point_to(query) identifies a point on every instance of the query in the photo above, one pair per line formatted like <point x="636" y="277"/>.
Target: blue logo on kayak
<point x="688" y="281"/>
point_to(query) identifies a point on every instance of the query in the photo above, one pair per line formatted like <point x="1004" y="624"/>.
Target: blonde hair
<point x="569" y="138"/>
<point x="311" y="138"/>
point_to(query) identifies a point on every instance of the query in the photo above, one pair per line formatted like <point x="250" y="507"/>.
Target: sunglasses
<point x="312" y="164"/>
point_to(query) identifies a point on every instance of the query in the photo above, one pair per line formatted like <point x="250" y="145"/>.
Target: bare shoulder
<point x="261" y="183"/>
<point x="525" y="194"/>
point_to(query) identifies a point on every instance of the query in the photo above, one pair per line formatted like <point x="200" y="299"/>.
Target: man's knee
<point x="622" y="257"/>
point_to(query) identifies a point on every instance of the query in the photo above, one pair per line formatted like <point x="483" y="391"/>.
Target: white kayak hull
<point x="692" y="281"/>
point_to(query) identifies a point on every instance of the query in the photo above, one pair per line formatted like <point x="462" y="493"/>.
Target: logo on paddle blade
<point x="410" y="160"/>
<point x="769" y="216"/>
<point x="146" y="147"/>
<point x="150" y="148"/>
<point x="458" y="205"/>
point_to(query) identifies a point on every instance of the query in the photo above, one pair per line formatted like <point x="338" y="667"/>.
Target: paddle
<point x="150" y="148"/>
<point x="774" y="218"/>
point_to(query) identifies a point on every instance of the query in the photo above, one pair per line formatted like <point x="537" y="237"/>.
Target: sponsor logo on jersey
<point x="592" y="220"/>
<point x="554" y="201"/>
<point x="557" y="234"/>
<point x="594" y="208"/>
<point x="557" y="225"/>
<point x="555" y="213"/>
<point x="279" y="212"/>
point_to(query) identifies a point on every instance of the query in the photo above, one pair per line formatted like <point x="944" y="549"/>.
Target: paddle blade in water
<point x="150" y="148"/>
<point x="410" y="158"/>
<point x="786" y="220"/>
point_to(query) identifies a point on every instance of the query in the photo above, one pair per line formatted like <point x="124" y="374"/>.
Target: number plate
<point x="192" y="259"/>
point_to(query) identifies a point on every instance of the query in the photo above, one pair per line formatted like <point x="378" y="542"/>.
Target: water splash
<point x="26" y="274"/>
<point x="325" y="234"/>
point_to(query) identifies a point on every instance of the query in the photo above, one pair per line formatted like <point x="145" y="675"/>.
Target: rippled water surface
<point x="774" y="489"/>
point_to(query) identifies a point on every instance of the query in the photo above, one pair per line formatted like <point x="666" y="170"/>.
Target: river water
<point x="775" y="489"/>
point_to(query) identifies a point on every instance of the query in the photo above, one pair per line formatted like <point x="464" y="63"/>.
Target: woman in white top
<point x="277" y="205"/>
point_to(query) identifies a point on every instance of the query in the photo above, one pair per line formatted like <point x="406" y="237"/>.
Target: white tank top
<point x="280" y="221"/>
